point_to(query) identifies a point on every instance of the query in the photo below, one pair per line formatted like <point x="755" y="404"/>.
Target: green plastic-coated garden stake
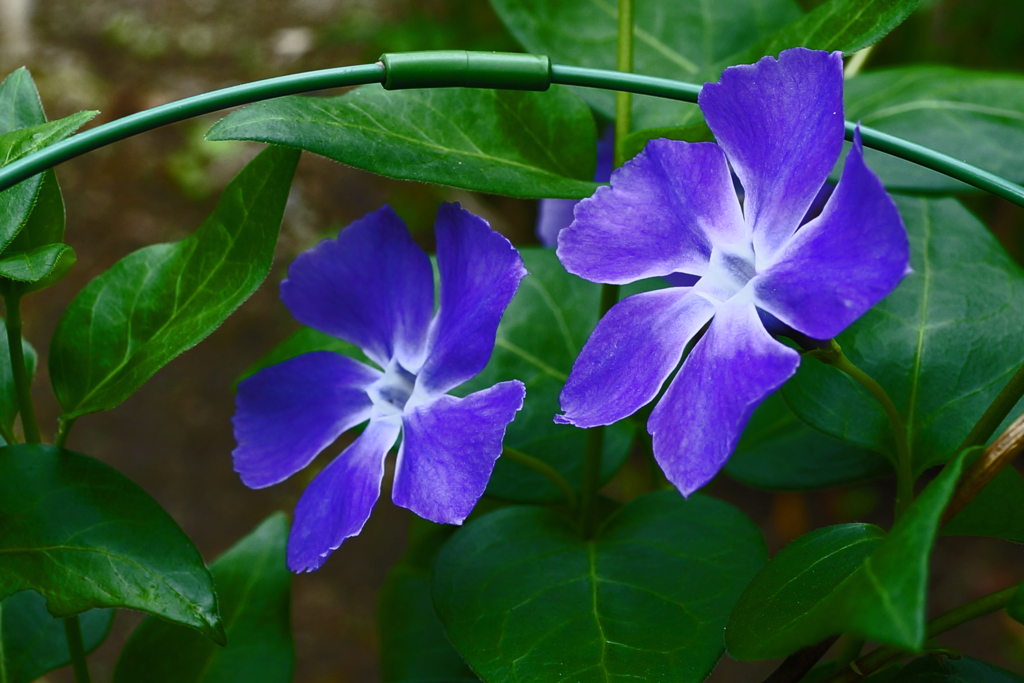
<point x="238" y="95"/>
<point x="460" y="68"/>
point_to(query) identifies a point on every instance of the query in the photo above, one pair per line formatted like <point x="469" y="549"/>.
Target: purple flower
<point x="374" y="287"/>
<point x="553" y="215"/>
<point x="673" y="209"/>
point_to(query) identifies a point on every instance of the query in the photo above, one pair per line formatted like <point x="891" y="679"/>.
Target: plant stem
<point x="63" y="430"/>
<point x="21" y="381"/>
<point x="624" y="100"/>
<point x="544" y="469"/>
<point x="1001" y="453"/>
<point x="3" y="653"/>
<point x="904" y="470"/>
<point x="73" y="633"/>
<point x="887" y="654"/>
<point x="796" y="666"/>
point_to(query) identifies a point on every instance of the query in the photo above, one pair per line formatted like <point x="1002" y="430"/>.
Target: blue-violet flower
<point x="374" y="287"/>
<point x="673" y="209"/>
<point x="554" y="215"/>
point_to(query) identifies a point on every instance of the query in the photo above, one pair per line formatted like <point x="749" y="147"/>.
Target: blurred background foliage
<point x="174" y="436"/>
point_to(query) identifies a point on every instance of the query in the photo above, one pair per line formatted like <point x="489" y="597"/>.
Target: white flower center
<point x="730" y="269"/>
<point x="390" y="394"/>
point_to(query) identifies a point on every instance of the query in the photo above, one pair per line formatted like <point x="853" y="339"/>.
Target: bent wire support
<point x="455" y="68"/>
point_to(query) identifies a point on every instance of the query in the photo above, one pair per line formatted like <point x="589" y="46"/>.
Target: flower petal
<point x="480" y="272"/>
<point x="698" y="421"/>
<point x="448" y="451"/>
<point x="632" y="350"/>
<point x="842" y="263"/>
<point x="781" y="125"/>
<point x="553" y="216"/>
<point x="662" y="213"/>
<point x="287" y="413"/>
<point x="372" y="286"/>
<point x="337" y="503"/>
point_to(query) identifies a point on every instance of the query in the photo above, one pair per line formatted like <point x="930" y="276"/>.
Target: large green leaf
<point x="816" y="587"/>
<point x="779" y="452"/>
<point x="846" y="25"/>
<point x="81" y="534"/>
<point x="254" y="587"/>
<point x="539" y="337"/>
<point x="970" y="115"/>
<point x="524" y="598"/>
<point x="996" y="512"/>
<point x="164" y="299"/>
<point x="8" y="394"/>
<point x="413" y="646"/>
<point x="33" y="643"/>
<point x="943" y="344"/>
<point x="29" y="267"/>
<point x="522" y="144"/>
<point x="680" y="39"/>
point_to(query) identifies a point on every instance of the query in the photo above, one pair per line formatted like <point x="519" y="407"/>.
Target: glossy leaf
<point x="1015" y="608"/>
<point x="20" y="106"/>
<point x="413" y="646"/>
<point x="523" y="597"/>
<point x="21" y="142"/>
<point x="539" y="337"/>
<point x="32" y="642"/>
<point x="779" y="452"/>
<point x="522" y="144"/>
<point x="947" y="670"/>
<point x="81" y="534"/>
<point x="769" y="616"/>
<point x="942" y="345"/>
<point x="845" y="25"/>
<point x="811" y="590"/>
<point x="33" y="266"/>
<point x="682" y="39"/>
<point x="254" y="587"/>
<point x="164" y="299"/>
<point x="970" y="115"/>
<point x="8" y="394"/>
<point x="636" y="141"/>
<point x="996" y="512"/>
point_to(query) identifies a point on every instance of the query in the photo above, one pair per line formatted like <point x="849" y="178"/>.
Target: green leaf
<point x="946" y="670"/>
<point x="996" y="512"/>
<point x="164" y="299"/>
<point x="778" y="452"/>
<point x="970" y="115"/>
<point x="524" y="598"/>
<point x="81" y="534"/>
<point x="679" y="39"/>
<point x="771" y="614"/>
<point x="943" y="344"/>
<point x="8" y="394"/>
<point x="540" y="335"/>
<point x="812" y="589"/>
<point x="413" y="646"/>
<point x="521" y="144"/>
<point x="24" y="141"/>
<point x="254" y="587"/>
<point x="845" y="25"/>
<point x="33" y="643"/>
<point x="1015" y="608"/>
<point x="20" y="106"/>
<point x="33" y="266"/>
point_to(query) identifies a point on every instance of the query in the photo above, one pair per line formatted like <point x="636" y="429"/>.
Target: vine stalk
<point x="76" y="648"/>
<point x="542" y="468"/>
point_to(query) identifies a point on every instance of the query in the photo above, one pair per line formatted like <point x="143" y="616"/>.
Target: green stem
<point x="3" y="653"/>
<point x="9" y="437"/>
<point x="18" y="369"/>
<point x="624" y="99"/>
<point x="996" y="412"/>
<point x="904" y="468"/>
<point x="76" y="648"/>
<point x="63" y="430"/>
<point x="544" y="469"/>
<point x="887" y="654"/>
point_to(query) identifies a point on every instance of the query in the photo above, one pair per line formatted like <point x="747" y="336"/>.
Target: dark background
<point x="174" y="436"/>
